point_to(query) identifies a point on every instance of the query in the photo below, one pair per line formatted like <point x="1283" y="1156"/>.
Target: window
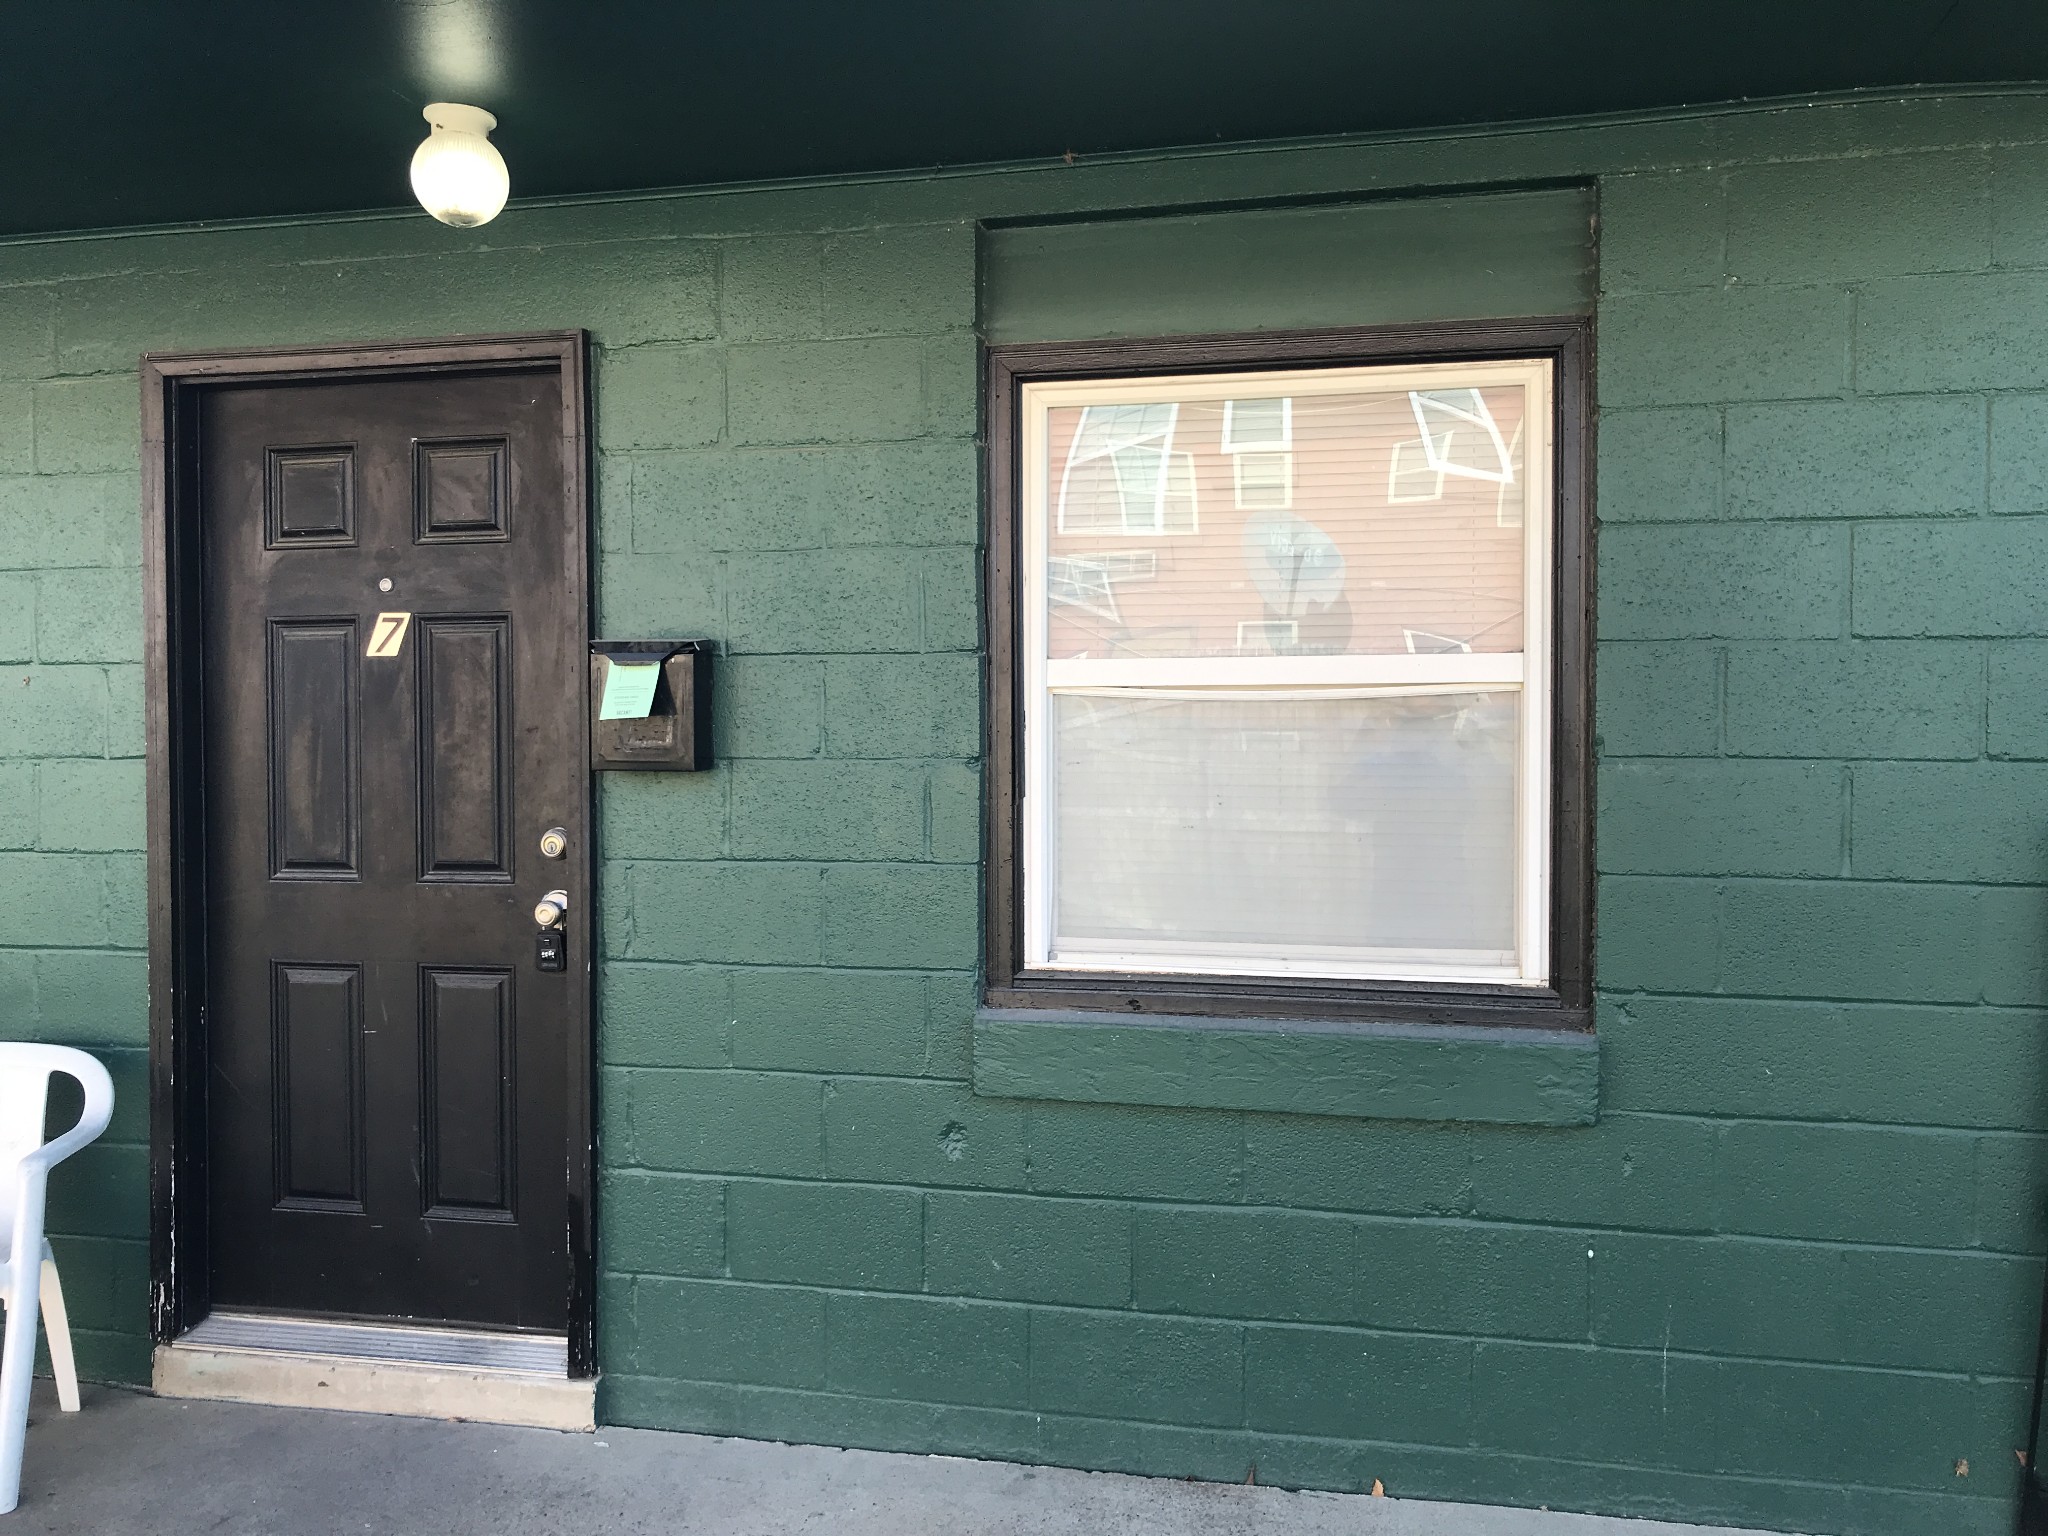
<point x="1322" y="744"/>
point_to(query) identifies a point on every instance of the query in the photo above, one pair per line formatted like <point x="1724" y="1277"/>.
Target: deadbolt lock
<point x="554" y="843"/>
<point x="551" y="908"/>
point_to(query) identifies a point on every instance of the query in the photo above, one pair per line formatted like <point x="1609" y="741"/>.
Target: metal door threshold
<point x="441" y="1373"/>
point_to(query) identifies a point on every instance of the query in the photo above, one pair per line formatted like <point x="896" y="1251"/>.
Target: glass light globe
<point x="457" y="173"/>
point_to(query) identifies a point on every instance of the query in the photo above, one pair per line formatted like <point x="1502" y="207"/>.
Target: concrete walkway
<point x="131" y="1465"/>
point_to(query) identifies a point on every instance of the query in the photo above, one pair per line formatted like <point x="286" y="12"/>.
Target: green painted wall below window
<point x="1790" y="1276"/>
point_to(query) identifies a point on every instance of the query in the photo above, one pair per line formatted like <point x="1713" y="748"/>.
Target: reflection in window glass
<point x="1388" y="511"/>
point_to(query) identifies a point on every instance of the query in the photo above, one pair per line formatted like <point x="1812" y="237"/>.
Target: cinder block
<point x="2019" y="205"/>
<point x="2019" y="453"/>
<point x="664" y="816"/>
<point x="126" y="726"/>
<point x="922" y="915"/>
<point x="1290" y="1266"/>
<point x="92" y="997"/>
<point x="1661" y="231"/>
<point x="2013" y="962"/>
<point x="614" y="493"/>
<point x="748" y="913"/>
<point x="1845" y="1183"/>
<point x="1342" y="1384"/>
<point x="87" y="426"/>
<point x="1849" y="219"/>
<point x="709" y="1330"/>
<point x="26" y="346"/>
<point x="950" y="999"/>
<point x="1028" y="1248"/>
<point x="952" y="600"/>
<point x="662" y="1224"/>
<point x="1848" y="939"/>
<point x="1927" y="335"/>
<point x="58" y="899"/>
<point x="771" y="288"/>
<point x="1660" y="466"/>
<point x="929" y="1350"/>
<point x="1651" y="1409"/>
<point x="847" y="601"/>
<point x="88" y="616"/>
<point x="756" y="499"/>
<point x="2016" y="720"/>
<point x="660" y="397"/>
<point x="1970" y="577"/>
<point x="1721" y="817"/>
<point x="125" y="880"/>
<point x="2012" y="1174"/>
<point x="1723" y="344"/>
<point x="769" y="706"/>
<point x="849" y="1235"/>
<point x="661" y="595"/>
<point x="953" y="791"/>
<point x="17" y="618"/>
<point x="938" y="1134"/>
<point x="952" y="385"/>
<point x="1661" y="935"/>
<point x="1685" y="582"/>
<point x="825" y="392"/>
<point x="50" y="522"/>
<point x="1122" y="1367"/>
<point x="1354" y="1165"/>
<point x="823" y="809"/>
<point x="905" y="280"/>
<point x="17" y="802"/>
<point x="903" y="706"/>
<point x="1856" y="458"/>
<point x="1866" y="699"/>
<point x="1656" y="699"/>
<point x="106" y="1286"/>
<point x="1139" y="1153"/>
<point x="762" y="1123"/>
<point x="663" y="1015"/>
<point x="18" y="984"/>
<point x="1981" y="822"/>
<point x="1467" y="1277"/>
<point x="1897" y="1430"/>
<point x="1890" y="1063"/>
<point x="829" y="1021"/>
<point x="17" y="427"/>
<point x="1653" y="1172"/>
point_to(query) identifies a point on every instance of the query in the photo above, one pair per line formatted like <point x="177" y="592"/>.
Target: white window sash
<point x="1527" y="672"/>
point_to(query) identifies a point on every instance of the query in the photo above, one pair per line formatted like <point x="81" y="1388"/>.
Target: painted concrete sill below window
<point x="1367" y="1071"/>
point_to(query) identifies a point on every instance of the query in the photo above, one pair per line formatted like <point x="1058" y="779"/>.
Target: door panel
<point x="388" y="1073"/>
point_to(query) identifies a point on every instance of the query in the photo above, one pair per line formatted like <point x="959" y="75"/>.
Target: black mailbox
<point x="674" y="732"/>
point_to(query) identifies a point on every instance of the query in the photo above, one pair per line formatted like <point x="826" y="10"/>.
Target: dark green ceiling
<point x="119" y="112"/>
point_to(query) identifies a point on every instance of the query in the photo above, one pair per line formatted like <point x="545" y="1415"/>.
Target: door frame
<point x="172" y="707"/>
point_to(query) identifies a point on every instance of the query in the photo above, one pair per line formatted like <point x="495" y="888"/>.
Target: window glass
<point x="1350" y="835"/>
<point x="1286" y="673"/>
<point x="1390" y="519"/>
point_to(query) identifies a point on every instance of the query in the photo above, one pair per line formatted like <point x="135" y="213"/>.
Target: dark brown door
<point x="388" y="1071"/>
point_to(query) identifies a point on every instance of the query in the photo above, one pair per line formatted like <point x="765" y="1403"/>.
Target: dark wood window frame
<point x="174" y="787"/>
<point x="1567" y="1002"/>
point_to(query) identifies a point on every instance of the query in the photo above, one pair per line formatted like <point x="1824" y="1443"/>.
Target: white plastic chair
<point x="30" y="1271"/>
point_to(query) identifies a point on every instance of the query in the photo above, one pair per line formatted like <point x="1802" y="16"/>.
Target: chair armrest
<point x="92" y="1120"/>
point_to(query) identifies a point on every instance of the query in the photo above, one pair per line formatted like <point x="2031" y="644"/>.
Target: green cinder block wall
<point x="1788" y="1279"/>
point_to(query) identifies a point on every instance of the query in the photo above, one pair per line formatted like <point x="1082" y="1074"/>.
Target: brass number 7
<point x="388" y="634"/>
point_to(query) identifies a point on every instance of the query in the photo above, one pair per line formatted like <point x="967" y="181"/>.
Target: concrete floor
<point x="132" y="1465"/>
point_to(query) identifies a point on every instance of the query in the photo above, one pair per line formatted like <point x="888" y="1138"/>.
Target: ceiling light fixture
<point x="457" y="173"/>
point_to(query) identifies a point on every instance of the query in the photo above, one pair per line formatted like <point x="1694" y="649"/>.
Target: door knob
<point x="551" y="908"/>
